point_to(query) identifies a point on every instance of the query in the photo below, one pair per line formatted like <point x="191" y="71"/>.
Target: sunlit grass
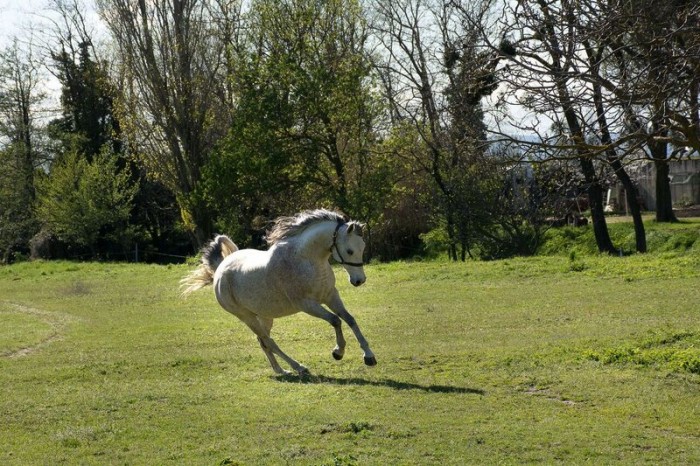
<point x="568" y="359"/>
<point x="679" y="237"/>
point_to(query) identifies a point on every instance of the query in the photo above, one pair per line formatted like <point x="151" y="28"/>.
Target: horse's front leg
<point x="316" y="310"/>
<point x="336" y="305"/>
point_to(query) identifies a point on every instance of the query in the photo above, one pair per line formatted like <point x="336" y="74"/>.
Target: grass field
<point x="559" y="359"/>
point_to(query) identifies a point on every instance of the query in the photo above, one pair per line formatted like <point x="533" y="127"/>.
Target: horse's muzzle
<point x="358" y="281"/>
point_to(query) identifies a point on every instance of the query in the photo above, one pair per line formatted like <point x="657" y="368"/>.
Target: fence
<point x="685" y="183"/>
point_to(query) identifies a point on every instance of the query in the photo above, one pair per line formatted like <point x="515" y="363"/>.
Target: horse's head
<point x="348" y="249"/>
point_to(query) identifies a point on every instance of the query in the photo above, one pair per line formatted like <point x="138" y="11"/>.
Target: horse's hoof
<point x="337" y="356"/>
<point x="371" y="361"/>
<point x="303" y="372"/>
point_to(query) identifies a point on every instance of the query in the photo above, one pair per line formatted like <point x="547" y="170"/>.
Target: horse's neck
<point x="316" y="241"/>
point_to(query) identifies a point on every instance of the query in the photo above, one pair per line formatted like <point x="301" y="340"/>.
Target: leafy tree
<point x="83" y="202"/>
<point x="304" y="124"/>
<point x="88" y="122"/>
<point x="250" y="176"/>
<point x="17" y="222"/>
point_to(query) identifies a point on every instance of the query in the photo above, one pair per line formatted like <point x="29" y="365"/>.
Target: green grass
<point x="661" y="237"/>
<point x="558" y="359"/>
<point x="23" y="329"/>
<point x="678" y="352"/>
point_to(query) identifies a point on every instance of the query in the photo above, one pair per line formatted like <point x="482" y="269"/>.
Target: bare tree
<point x="548" y="74"/>
<point x="20" y="100"/>
<point x="652" y="66"/>
<point x="434" y="76"/>
<point x="172" y="57"/>
<point x="614" y="156"/>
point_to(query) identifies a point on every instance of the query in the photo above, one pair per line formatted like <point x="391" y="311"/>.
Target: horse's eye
<point x="350" y="252"/>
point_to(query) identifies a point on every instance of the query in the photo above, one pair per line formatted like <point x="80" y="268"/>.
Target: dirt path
<point x="59" y="323"/>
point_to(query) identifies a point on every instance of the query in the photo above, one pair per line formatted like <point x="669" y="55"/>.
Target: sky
<point x="17" y="17"/>
<point x="26" y="18"/>
<point x="30" y="20"/>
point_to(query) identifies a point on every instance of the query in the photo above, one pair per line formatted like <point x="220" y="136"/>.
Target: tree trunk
<point x="451" y="235"/>
<point x="631" y="194"/>
<point x="593" y="187"/>
<point x="595" y="200"/>
<point x="664" y="202"/>
<point x="659" y="154"/>
<point x="203" y="232"/>
<point x="197" y="220"/>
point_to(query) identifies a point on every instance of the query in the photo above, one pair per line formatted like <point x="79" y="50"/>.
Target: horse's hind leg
<point x="267" y="325"/>
<point x="268" y="344"/>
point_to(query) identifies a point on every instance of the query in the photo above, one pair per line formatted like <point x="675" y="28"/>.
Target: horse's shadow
<point x="394" y="384"/>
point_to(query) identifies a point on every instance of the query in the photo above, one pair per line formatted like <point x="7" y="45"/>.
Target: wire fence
<point x="135" y="255"/>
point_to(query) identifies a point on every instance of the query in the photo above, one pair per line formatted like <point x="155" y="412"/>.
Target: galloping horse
<point x="293" y="275"/>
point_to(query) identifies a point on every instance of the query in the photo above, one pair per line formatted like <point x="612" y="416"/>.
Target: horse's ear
<point x="356" y="228"/>
<point x="342" y="217"/>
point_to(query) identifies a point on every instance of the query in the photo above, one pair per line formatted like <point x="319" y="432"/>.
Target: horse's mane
<point x="288" y="227"/>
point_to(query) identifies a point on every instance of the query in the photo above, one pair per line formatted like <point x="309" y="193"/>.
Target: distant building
<point x="685" y="185"/>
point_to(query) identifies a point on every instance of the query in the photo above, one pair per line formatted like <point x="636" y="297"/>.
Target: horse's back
<point x="245" y="280"/>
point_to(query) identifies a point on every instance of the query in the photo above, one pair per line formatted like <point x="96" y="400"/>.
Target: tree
<point x="542" y="43"/>
<point x="652" y="72"/>
<point x="88" y="125"/>
<point x="17" y="223"/>
<point x="20" y="152"/>
<point x="435" y="74"/>
<point x="626" y="69"/>
<point x="83" y="202"/>
<point x="304" y="123"/>
<point x="595" y="54"/>
<point x="88" y="120"/>
<point x="174" y="100"/>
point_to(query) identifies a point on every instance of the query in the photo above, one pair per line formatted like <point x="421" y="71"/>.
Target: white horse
<point x="293" y="275"/>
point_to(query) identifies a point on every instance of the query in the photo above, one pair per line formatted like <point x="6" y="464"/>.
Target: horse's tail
<point x="212" y="255"/>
